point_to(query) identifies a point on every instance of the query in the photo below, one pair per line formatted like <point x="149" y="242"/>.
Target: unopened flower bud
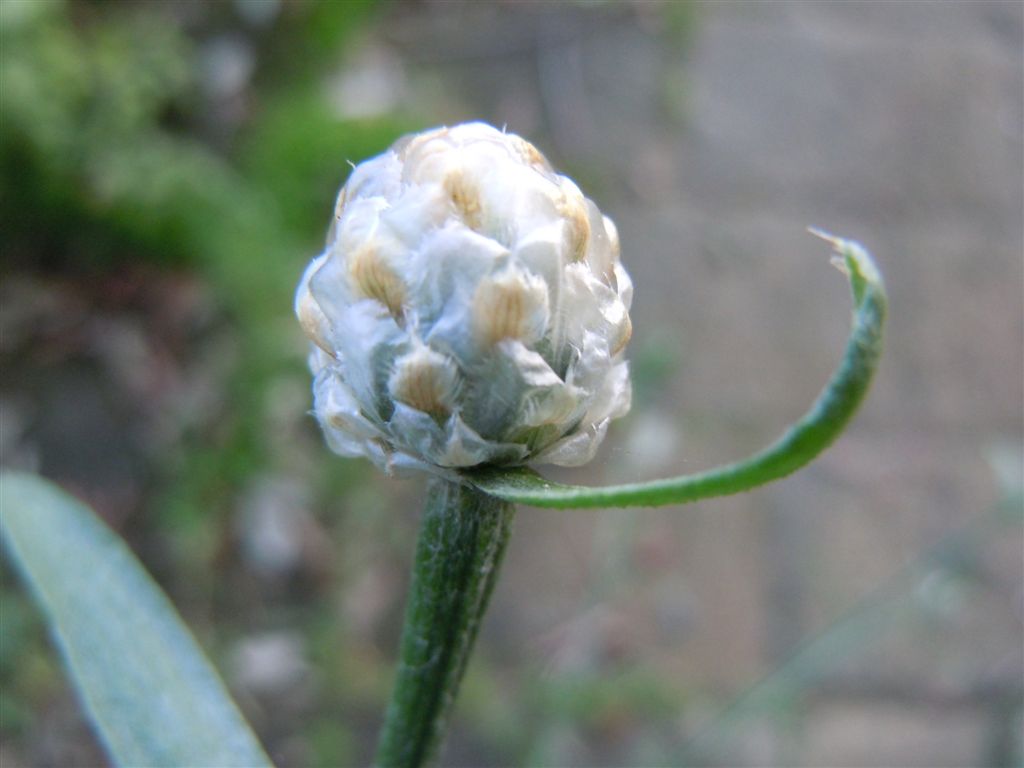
<point x="469" y="308"/>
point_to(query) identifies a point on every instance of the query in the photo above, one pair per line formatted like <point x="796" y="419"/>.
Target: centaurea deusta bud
<point x="469" y="308"/>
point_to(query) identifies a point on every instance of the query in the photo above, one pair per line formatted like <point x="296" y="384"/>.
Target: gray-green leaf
<point x="153" y="696"/>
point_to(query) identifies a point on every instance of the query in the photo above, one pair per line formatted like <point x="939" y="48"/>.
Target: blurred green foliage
<point x="102" y="159"/>
<point x="103" y="162"/>
<point x="86" y="168"/>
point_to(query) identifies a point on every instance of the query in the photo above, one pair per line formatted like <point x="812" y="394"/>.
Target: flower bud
<point x="469" y="308"/>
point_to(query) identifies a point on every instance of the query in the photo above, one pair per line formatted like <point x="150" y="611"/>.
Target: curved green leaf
<point x="152" y="695"/>
<point x="804" y="440"/>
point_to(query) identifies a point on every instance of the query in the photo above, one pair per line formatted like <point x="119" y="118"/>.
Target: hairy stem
<point x="461" y="542"/>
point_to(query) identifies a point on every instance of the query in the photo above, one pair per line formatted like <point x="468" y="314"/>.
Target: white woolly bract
<point x="469" y="308"/>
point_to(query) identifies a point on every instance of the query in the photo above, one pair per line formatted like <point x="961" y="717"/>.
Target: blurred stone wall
<point x="713" y="134"/>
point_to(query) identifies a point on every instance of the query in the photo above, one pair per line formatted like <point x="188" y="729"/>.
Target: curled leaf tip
<point x="852" y="259"/>
<point x="828" y="237"/>
<point x="838" y="246"/>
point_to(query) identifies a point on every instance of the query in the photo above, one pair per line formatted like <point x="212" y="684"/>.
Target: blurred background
<point x="168" y="168"/>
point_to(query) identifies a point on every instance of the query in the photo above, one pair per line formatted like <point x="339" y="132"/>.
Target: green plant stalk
<point x="461" y="543"/>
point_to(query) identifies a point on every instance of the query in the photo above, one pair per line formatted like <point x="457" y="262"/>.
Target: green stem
<point x="462" y="539"/>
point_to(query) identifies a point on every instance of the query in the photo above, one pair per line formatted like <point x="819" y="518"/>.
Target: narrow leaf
<point x="801" y="443"/>
<point x="154" y="698"/>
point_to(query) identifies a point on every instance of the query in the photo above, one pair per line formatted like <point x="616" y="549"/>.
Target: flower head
<point x="469" y="308"/>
